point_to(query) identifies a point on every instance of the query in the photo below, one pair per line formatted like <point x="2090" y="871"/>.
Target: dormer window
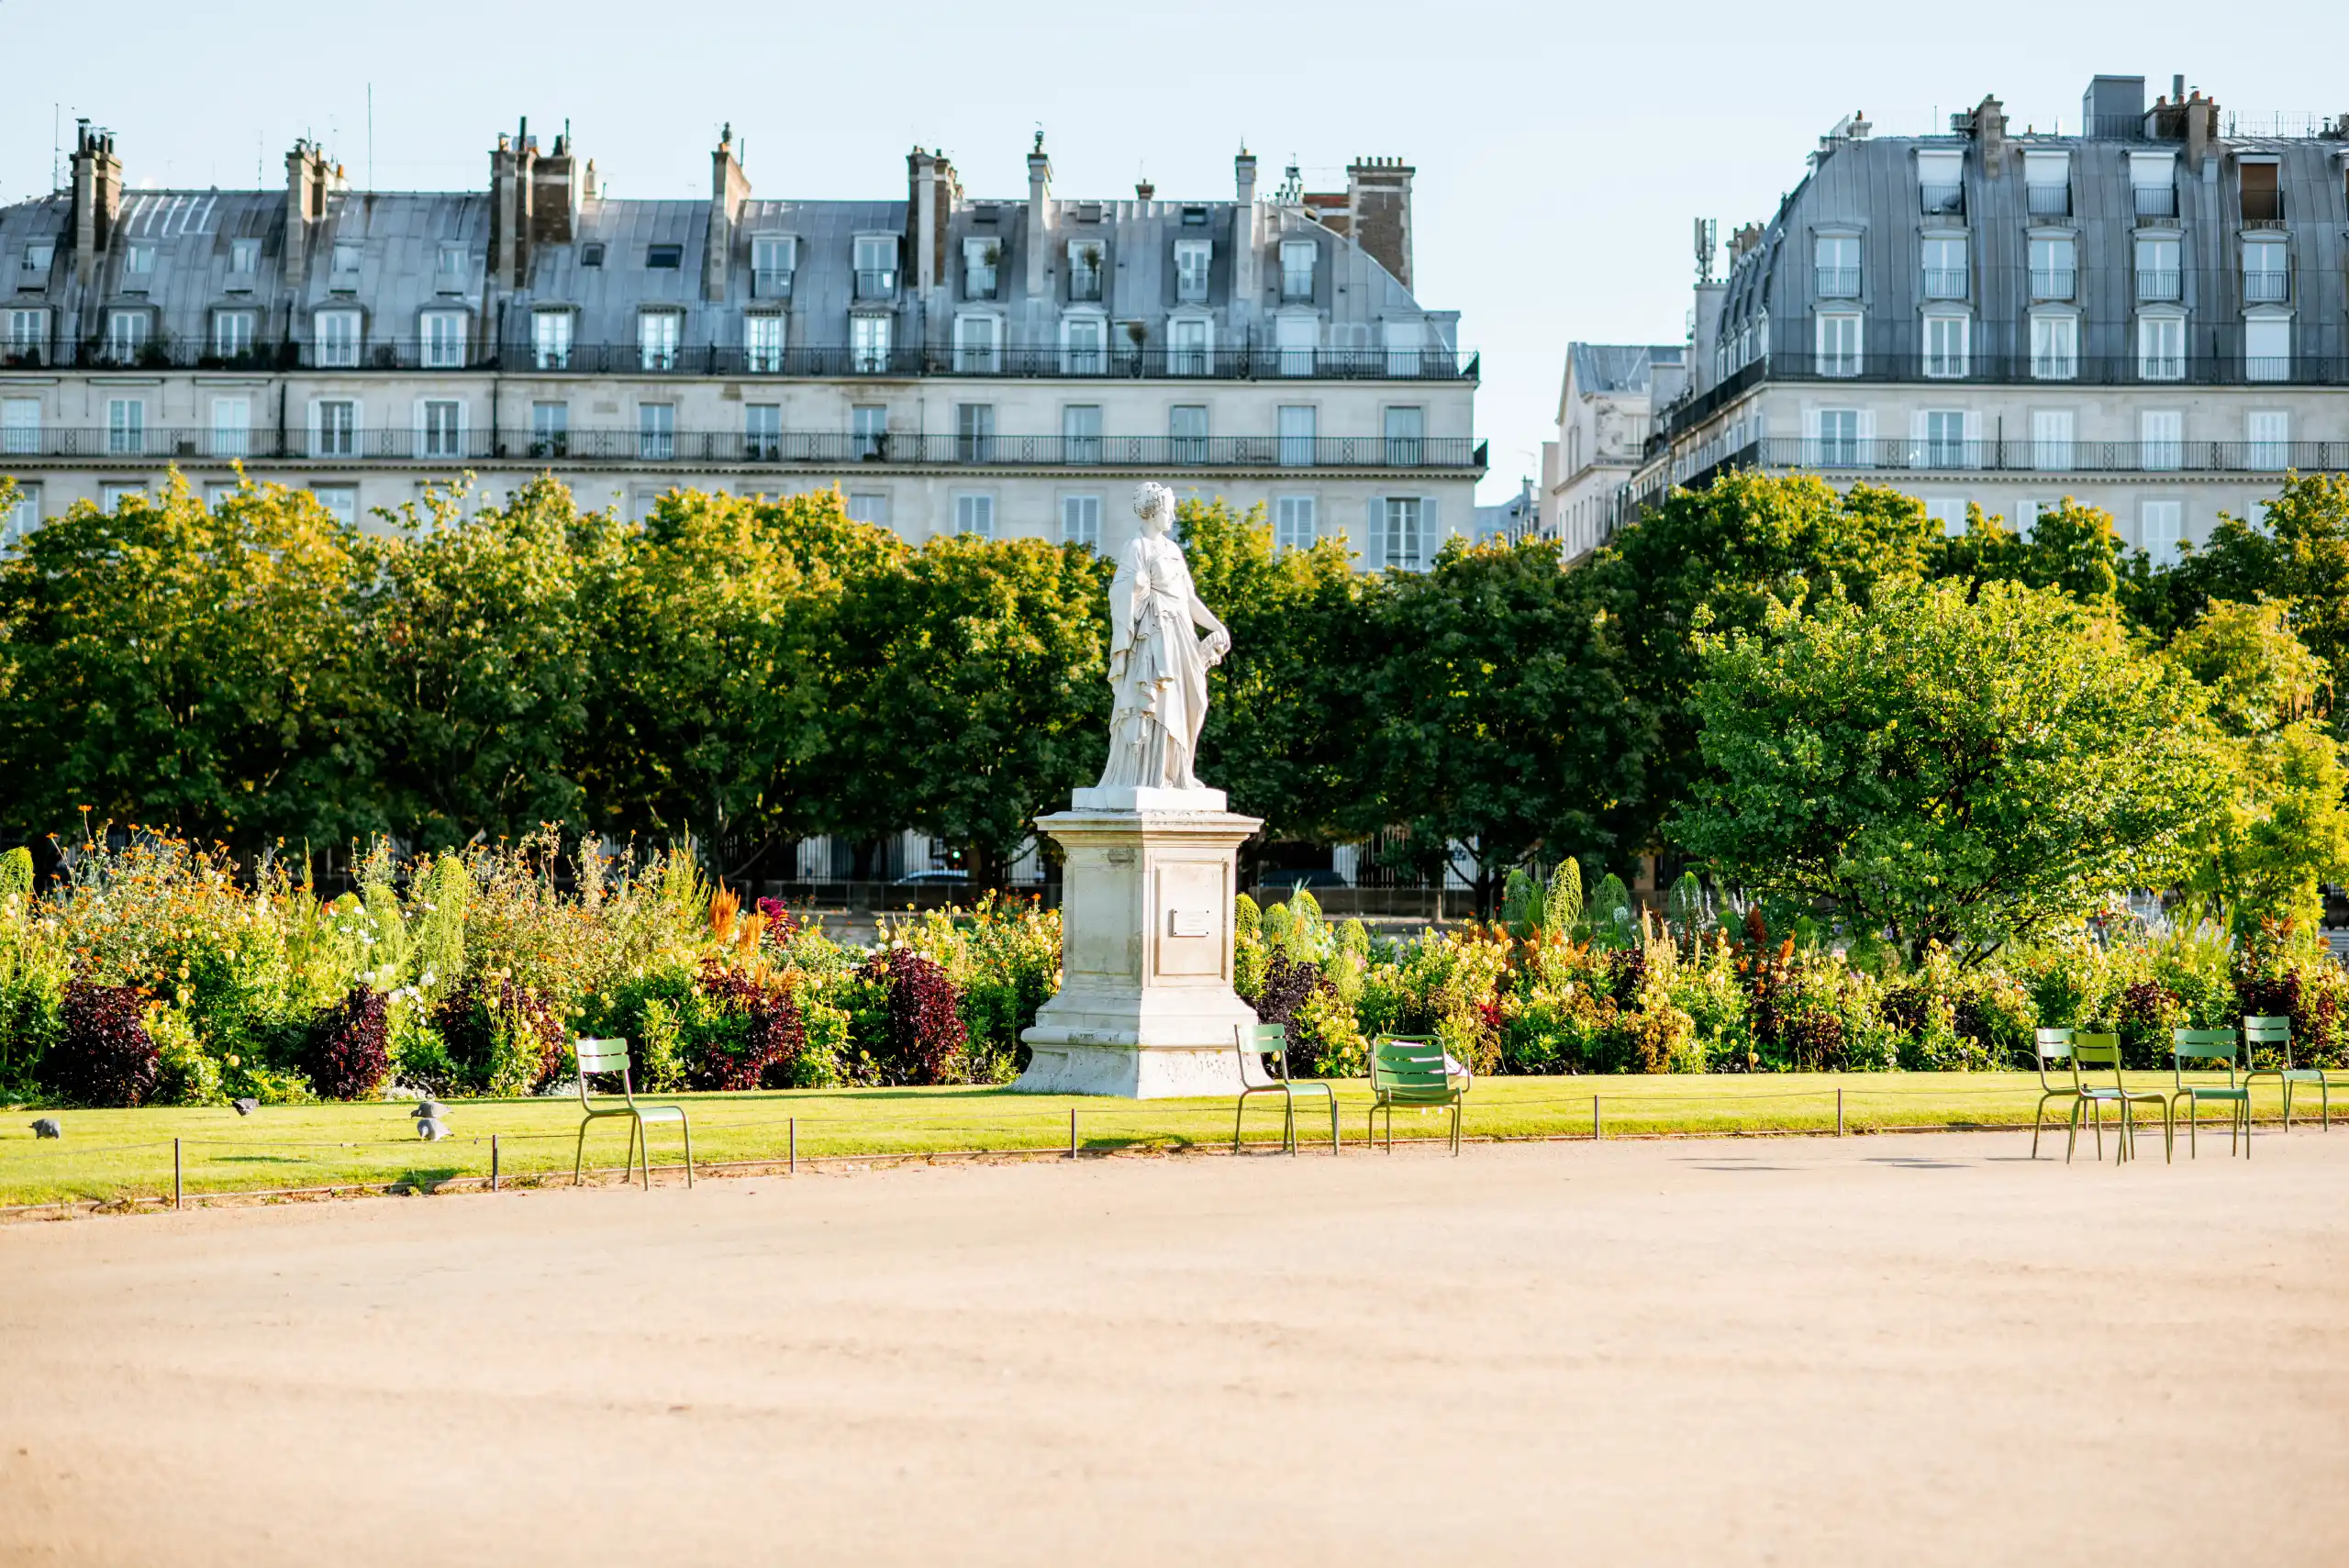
<point x="1084" y="270"/>
<point x="1941" y="180"/>
<point x="591" y="254"/>
<point x="980" y="255"/>
<point x="876" y="266"/>
<point x="1945" y="271"/>
<point x="1297" y="258"/>
<point x="2262" y="197"/>
<point x="346" y="263"/>
<point x="2266" y="272"/>
<point x="244" y="261"/>
<point x="664" y="258"/>
<point x="38" y="257"/>
<point x="1836" y="259"/>
<point x="338" y="338"/>
<point x="2054" y="267"/>
<point x="2047" y="183"/>
<point x="1195" y="217"/>
<point x="444" y="339"/>
<point x="1191" y="259"/>
<point x="2152" y="184"/>
<point x="452" y="269"/>
<point x="774" y="257"/>
<point x="138" y="267"/>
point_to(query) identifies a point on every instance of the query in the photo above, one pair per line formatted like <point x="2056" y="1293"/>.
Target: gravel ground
<point x="1811" y="1351"/>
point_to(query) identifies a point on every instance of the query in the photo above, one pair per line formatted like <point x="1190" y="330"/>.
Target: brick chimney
<point x="306" y="204"/>
<point x="931" y="192"/>
<point x="1244" y="239"/>
<point x="1378" y="212"/>
<point x="729" y="189"/>
<point x="1039" y="219"/>
<point x="98" y="198"/>
<point x="555" y="194"/>
<point x="511" y="168"/>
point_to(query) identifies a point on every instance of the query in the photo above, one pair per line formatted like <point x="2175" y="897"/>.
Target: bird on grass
<point x="247" y="1107"/>
<point x="47" y="1127"/>
<point x="430" y="1123"/>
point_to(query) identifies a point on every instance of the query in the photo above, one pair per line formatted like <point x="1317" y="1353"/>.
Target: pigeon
<point x="247" y="1107"/>
<point x="431" y="1129"/>
<point x="45" y="1126"/>
<point x="428" y="1108"/>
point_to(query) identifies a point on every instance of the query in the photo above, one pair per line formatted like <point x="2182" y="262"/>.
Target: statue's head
<point x="1155" y="505"/>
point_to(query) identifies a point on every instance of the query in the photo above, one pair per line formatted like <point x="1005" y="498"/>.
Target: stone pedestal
<point x="1145" y="1007"/>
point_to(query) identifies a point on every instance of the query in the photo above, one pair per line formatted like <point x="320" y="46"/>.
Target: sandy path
<point x="1914" y="1350"/>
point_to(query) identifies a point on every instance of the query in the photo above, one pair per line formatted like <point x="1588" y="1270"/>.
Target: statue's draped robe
<point x="1163" y="697"/>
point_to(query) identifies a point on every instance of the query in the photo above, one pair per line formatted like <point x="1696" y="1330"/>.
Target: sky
<point x="1562" y="150"/>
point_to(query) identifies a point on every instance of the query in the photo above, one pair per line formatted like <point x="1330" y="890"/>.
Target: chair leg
<point x="687" y="1129"/>
<point x="2193" y="1125"/>
<point x="2035" y="1120"/>
<point x="579" y="1155"/>
<point x="1288" y="1125"/>
<point x="1455" y="1129"/>
<point x="1238" y="1112"/>
<point x="1334" y="1121"/>
<point x="2072" y="1141"/>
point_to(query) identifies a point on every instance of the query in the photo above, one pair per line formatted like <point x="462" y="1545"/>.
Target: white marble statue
<point x="1158" y="664"/>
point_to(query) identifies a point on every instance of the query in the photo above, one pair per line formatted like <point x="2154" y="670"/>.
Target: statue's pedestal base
<point x="1145" y="1007"/>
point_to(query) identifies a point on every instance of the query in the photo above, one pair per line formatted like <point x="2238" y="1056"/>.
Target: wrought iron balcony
<point x="2266" y="287"/>
<point x="1837" y="283"/>
<point x="2053" y="282"/>
<point x="2154" y="201"/>
<point x="2159" y="285"/>
<point x="1897" y="455"/>
<point x="2048" y="201"/>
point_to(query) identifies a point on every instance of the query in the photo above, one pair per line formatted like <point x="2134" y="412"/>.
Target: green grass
<point x="107" y="1156"/>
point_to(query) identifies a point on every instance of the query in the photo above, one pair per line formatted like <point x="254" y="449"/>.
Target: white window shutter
<point x="1376" y="553"/>
<point x="1431" y="532"/>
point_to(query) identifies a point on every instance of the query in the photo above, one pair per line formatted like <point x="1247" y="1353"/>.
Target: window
<point x="2157" y="272"/>
<point x="233" y="334"/>
<point x="1297" y="258"/>
<point x="980" y="254"/>
<point x="876" y="266"/>
<point x="761" y="431"/>
<point x="1405" y="358"/>
<point x="1940" y="181"/>
<point x="2050" y="438"/>
<point x="1084" y="270"/>
<point x="444" y="339"/>
<point x="656" y="340"/>
<point x="451" y="274"/>
<point x="232" y="427"/>
<point x="37" y="258"/>
<point x="1401" y="539"/>
<point x="1839" y="437"/>
<point x="2269" y="443"/>
<point x="1945" y="276"/>
<point x="27" y="337"/>
<point x="345" y="265"/>
<point x="1839" y="345"/>
<point x="868" y="337"/>
<point x="334" y="428"/>
<point x="2047" y="183"/>
<point x="1406" y="431"/>
<point x="762" y="344"/>
<point x="975" y="432"/>
<point x="2153" y="183"/>
<point x="978" y="345"/>
<point x="1946" y="346"/>
<point x="2055" y="347"/>
<point x="1944" y="432"/>
<point x="1950" y="513"/>
<point x="1187" y="430"/>
<point x="975" y="515"/>
<point x="1297" y="335"/>
<point x="2160" y="526"/>
<point x="1084" y="345"/>
<point x="2054" y="267"/>
<point x="550" y="332"/>
<point x="2263" y="198"/>
<point x="1837" y="260"/>
<point x="20" y="425"/>
<point x="338" y="344"/>
<point x="126" y="426"/>
<point x="773" y="258"/>
<point x="1296" y="523"/>
<point x="138" y="265"/>
<point x="244" y="260"/>
<point x="1191" y="260"/>
<point x="1081" y="433"/>
<point x="23" y="518"/>
<point x="550" y="429"/>
<point x="1081" y="520"/>
<point x="664" y="258"/>
<point x="112" y="494"/>
<point x="1190" y="338"/>
<point x="2266" y="272"/>
<point x="125" y="336"/>
<point x="869" y="425"/>
<point x="869" y="507"/>
<point x="219" y="493"/>
<point x="439" y="425"/>
<point x="340" y="501"/>
<point x="2160" y="348"/>
<point x="1297" y="423"/>
<point x="2161" y="438"/>
<point x="656" y="431"/>
<point x="2267" y="348"/>
<point x="591" y="254"/>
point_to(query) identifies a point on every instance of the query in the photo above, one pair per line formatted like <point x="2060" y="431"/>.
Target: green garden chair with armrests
<point x="2104" y="1050"/>
<point x="2209" y="1045"/>
<point x="2050" y="1045"/>
<point x="2277" y="1033"/>
<point x="1408" y="1070"/>
<point x="611" y="1056"/>
<point x="1264" y="1047"/>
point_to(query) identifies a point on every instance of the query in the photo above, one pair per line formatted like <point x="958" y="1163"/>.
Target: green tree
<point x="1966" y="764"/>
<point x="1718" y="557"/>
<point x="977" y="696"/>
<point x="2300" y="555"/>
<point x="1498" y="711"/>
<point x="2069" y="547"/>
<point x="173" y="663"/>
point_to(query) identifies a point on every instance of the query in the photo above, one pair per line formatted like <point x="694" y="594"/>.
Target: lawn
<point x="111" y="1155"/>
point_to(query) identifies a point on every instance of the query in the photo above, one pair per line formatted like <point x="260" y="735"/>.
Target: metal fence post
<point x="1839" y="1110"/>
<point x="493" y="1161"/>
<point x="179" y="1178"/>
<point x="1597" y="1127"/>
<point x="1072" y="1132"/>
<point x="794" y="1145"/>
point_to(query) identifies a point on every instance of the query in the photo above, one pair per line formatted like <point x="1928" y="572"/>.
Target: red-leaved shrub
<point x="105" y="1056"/>
<point x="347" y="1054"/>
<point x="925" y="1041"/>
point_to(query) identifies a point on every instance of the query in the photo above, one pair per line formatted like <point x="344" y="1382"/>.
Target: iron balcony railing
<point x="2266" y="287"/>
<point x="1945" y="283"/>
<point x="1838" y="283"/>
<point x="2154" y="201"/>
<point x="1123" y="361"/>
<point x="2114" y="369"/>
<point x="830" y="449"/>
<point x="2048" y="201"/>
<point x="876" y="283"/>
<point x="771" y="283"/>
<point x="1941" y="198"/>
<point x="2053" y="282"/>
<point x="1084" y="287"/>
<point x="2057" y="457"/>
<point x="2158" y="283"/>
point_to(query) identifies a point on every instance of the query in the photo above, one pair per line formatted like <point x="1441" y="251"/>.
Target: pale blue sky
<point x="1561" y="150"/>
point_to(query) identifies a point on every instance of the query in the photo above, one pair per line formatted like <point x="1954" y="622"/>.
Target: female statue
<point x="1158" y="665"/>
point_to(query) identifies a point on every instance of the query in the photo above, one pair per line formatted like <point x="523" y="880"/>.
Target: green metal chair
<point x="2209" y="1045"/>
<point x="611" y="1056"/>
<point x="2277" y="1033"/>
<point x="2050" y="1045"/>
<point x="1266" y="1047"/>
<point x="1409" y="1070"/>
<point x="2104" y="1050"/>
